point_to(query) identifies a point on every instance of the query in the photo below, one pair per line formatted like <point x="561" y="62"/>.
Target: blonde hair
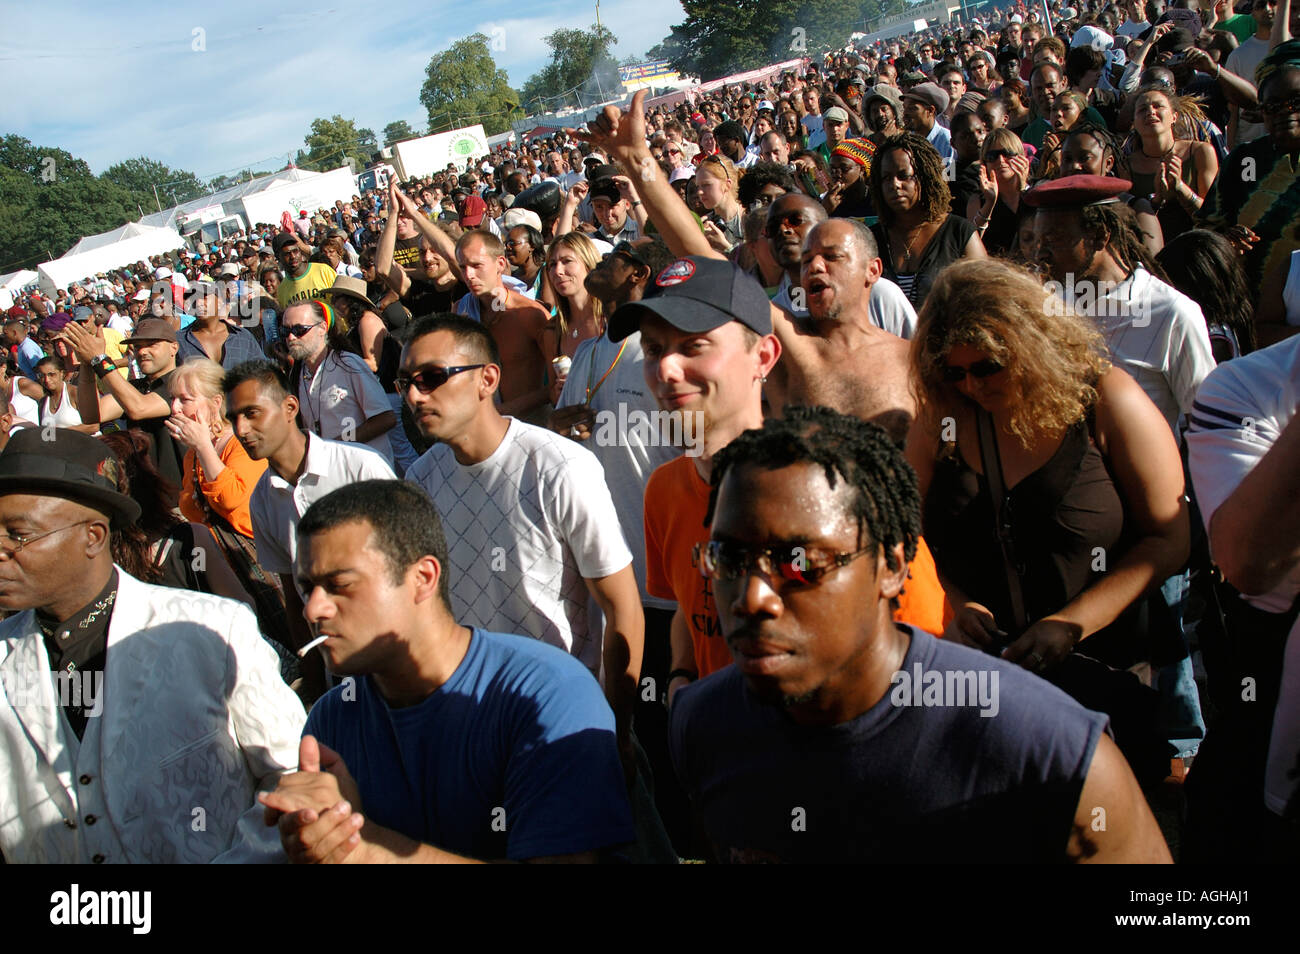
<point x="206" y="377"/>
<point x="729" y="172"/>
<point x="585" y="249"/>
<point x="1053" y="356"/>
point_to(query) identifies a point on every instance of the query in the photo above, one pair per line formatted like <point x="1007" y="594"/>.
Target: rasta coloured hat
<point x="696" y="294"/>
<point x="859" y="150"/>
<point x="70" y="465"/>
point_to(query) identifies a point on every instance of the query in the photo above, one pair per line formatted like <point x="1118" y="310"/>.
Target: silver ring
<point x="573" y="431"/>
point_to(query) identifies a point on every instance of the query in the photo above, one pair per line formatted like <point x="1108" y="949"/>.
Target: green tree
<point x="397" y="132"/>
<point x="332" y="142"/>
<point x="464" y="87"/>
<point x="720" y="37"/>
<point x="49" y="199"/>
<point x="140" y="176"/>
<point x="581" y="62"/>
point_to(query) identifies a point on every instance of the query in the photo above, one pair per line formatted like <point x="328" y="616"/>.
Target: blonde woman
<point x="718" y="183"/>
<point x="218" y="481"/>
<point x="578" y="315"/>
<point x="1009" y="378"/>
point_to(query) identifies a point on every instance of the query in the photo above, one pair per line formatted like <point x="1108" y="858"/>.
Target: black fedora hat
<point x="69" y="464"/>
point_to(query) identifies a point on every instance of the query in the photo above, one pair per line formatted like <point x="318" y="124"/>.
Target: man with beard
<point x="817" y="745"/>
<point x="884" y="108"/>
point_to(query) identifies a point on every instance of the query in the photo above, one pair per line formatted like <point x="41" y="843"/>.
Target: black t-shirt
<point x="166" y="454"/>
<point x="407" y="252"/>
<point x="425" y="298"/>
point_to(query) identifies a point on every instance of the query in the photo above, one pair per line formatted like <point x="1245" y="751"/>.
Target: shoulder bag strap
<point x="992" y="463"/>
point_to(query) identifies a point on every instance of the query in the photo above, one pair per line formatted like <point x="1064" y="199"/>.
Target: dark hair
<point x="1117" y="225"/>
<point x="269" y="375"/>
<point x="762" y="174"/>
<point x="138" y="478"/>
<point x="1204" y="266"/>
<point x="535" y="242"/>
<point x="1081" y="60"/>
<point x="1104" y="137"/>
<point x="936" y="198"/>
<point x="472" y="338"/>
<point x="405" y="523"/>
<point x="887" y="504"/>
<point x="49" y="359"/>
<point x="656" y="254"/>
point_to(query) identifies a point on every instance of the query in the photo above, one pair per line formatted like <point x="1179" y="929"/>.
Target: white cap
<point x="514" y="217"/>
<point x="1069" y="13"/>
<point x="1092" y="36"/>
<point x="141" y="295"/>
<point x="162" y="271"/>
<point x="231" y="269"/>
<point x="1015" y="18"/>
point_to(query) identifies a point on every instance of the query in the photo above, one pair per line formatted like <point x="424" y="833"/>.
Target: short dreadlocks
<point x="887" y="504"/>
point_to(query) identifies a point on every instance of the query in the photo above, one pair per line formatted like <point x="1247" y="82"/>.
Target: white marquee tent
<point x="13" y="283"/>
<point x="131" y="243"/>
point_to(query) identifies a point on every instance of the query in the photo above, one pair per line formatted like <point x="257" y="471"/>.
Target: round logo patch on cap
<point x="676" y="273"/>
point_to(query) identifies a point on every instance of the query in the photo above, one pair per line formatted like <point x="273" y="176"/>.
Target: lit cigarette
<point x="302" y="653"/>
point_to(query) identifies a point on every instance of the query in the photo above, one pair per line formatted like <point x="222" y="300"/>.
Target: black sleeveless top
<point x="1060" y="514"/>
<point x="1000" y="236"/>
<point x="947" y="246"/>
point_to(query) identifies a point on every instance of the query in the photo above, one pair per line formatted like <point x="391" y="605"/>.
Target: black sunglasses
<point x="300" y="331"/>
<point x="429" y="380"/>
<point x="995" y="154"/>
<point x="980" y="369"/>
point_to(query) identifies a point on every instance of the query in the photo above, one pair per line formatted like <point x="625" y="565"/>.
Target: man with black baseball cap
<point x="145" y="402"/>
<point x="101" y="760"/>
<point x="706" y="334"/>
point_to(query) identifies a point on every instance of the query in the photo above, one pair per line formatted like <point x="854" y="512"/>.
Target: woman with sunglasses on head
<point x="1003" y="176"/>
<point x="718" y="181"/>
<point x="1052" y="486"/>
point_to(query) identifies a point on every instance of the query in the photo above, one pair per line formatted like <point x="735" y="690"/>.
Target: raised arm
<point x="392" y="273"/>
<point x="622" y="137"/>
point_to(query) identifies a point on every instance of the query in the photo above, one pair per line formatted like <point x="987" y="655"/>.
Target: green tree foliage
<point x="332" y="142"/>
<point x="140" y="176"/>
<point x="720" y="37"/>
<point x="464" y="87"/>
<point x="49" y="199"/>
<point x="581" y="61"/>
<point x="397" y="132"/>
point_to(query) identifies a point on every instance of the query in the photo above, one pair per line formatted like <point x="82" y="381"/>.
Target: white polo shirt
<point x="1155" y="333"/>
<point x="341" y="396"/>
<point x="276" y="505"/>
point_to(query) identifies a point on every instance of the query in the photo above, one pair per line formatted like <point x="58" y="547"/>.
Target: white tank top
<point x="65" y="416"/>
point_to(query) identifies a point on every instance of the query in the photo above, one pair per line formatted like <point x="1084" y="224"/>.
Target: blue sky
<point x="108" y="82"/>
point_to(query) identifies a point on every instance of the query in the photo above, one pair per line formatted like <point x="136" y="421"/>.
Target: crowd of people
<point x="888" y="459"/>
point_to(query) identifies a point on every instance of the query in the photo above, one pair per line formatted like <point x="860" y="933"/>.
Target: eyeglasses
<point x="11" y="543"/>
<point x="1280" y="107"/>
<point x="954" y="374"/>
<point x="993" y="155"/>
<point x="300" y="331"/>
<point x="429" y="380"/>
<point x="725" y="561"/>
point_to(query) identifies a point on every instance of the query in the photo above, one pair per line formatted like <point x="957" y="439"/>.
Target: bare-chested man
<point x="517" y="322"/>
<point x="839" y="358"/>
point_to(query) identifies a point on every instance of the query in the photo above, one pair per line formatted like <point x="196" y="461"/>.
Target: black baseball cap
<point x="697" y="294"/>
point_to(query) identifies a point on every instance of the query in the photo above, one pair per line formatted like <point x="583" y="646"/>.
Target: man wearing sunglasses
<point x="534" y="533"/>
<point x="819" y="744"/>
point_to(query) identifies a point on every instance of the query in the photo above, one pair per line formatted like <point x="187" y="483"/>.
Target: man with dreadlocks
<point x="1090" y="243"/>
<point x="840" y="735"/>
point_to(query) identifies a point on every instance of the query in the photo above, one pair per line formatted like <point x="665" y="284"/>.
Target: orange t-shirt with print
<point x="676" y="501"/>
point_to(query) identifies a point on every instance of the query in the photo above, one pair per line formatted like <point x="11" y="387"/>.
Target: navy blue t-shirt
<point x="513" y="757"/>
<point x="934" y="782"/>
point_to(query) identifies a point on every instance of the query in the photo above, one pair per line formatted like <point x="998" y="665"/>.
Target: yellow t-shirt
<point x="114" y="348"/>
<point x="315" y="281"/>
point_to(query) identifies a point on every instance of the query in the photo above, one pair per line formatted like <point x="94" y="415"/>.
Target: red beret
<point x="1076" y="192"/>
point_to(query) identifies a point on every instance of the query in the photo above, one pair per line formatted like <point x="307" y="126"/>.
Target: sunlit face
<point x="774" y="149"/>
<point x="188" y="403"/>
<point x="447" y="411"/>
<point x="710" y="373"/>
<point x="481" y="270"/>
<point x="833" y="273"/>
<point x="612" y="215"/>
<point x="567" y="270"/>
<point x="1065" y="113"/>
<point x="916" y="117"/>
<point x="50" y="376"/>
<point x="260" y="422"/>
<point x="880" y="116"/>
<point x="834" y="132"/>
<point x="1153" y="113"/>
<point x="713" y="184"/>
<point x="1044" y="86"/>
<point x="155" y="356"/>
<point x="954" y="85"/>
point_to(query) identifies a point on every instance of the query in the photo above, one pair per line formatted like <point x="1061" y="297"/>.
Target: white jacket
<point x="195" y="720"/>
